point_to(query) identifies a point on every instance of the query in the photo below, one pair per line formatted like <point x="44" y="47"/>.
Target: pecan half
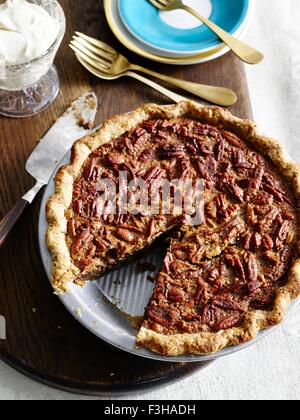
<point x="272" y="187"/>
<point x="263" y="200"/>
<point x="220" y="208"/>
<point x="163" y="134"/>
<point x="239" y="160"/>
<point x="129" y="145"/>
<point x="233" y="139"/>
<point x="72" y="227"/>
<point x="141" y="139"/>
<point x="78" y="207"/>
<point x="278" y="194"/>
<point x="229" y="211"/>
<point x="205" y="147"/>
<point x="150" y="126"/>
<point x="268" y="220"/>
<point x="147" y="155"/>
<point x="192" y="149"/>
<point x="158" y="315"/>
<point x="207" y="167"/>
<point x="235" y="232"/>
<point x="258" y="177"/>
<point x="163" y="316"/>
<point x="282" y="234"/>
<point x="256" y="241"/>
<point x="175" y="295"/>
<point x="81" y="244"/>
<point x="171" y="151"/>
<point x="234" y="262"/>
<point x="267" y="242"/>
<point x="235" y="190"/>
<point x="126" y="235"/>
<point x="270" y="257"/>
<point x="228" y="305"/>
<point x="251" y="270"/>
<point x="263" y="300"/>
<point x="115" y="160"/>
<point x="206" y="130"/>
<point x="200" y="294"/>
<point x="208" y="314"/>
<point x="228" y="322"/>
<point x="101" y="245"/>
<point x="220" y="150"/>
<point x="154" y="174"/>
<point x="151" y="229"/>
<point x="246" y="242"/>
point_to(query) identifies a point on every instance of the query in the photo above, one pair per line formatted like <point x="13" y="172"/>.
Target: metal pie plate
<point x="129" y="289"/>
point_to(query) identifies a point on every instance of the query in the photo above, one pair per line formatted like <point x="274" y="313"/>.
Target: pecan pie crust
<point x="227" y="330"/>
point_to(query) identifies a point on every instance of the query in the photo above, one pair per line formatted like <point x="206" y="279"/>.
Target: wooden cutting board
<point x="43" y="340"/>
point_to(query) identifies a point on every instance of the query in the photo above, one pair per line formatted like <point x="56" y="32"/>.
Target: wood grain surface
<point x="43" y="340"/>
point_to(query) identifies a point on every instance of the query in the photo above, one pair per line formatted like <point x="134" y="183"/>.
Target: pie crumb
<point x="78" y="312"/>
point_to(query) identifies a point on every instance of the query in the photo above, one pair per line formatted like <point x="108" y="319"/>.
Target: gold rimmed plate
<point x="134" y="45"/>
<point x="129" y="41"/>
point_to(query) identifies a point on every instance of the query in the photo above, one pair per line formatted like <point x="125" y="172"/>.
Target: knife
<point x="74" y="124"/>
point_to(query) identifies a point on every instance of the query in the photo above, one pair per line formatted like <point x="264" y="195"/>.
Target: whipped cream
<point x="27" y="31"/>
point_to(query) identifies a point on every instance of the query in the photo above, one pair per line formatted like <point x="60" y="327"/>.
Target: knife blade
<point x="74" y="124"/>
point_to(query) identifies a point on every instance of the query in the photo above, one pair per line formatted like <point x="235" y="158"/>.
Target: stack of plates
<point x="176" y="37"/>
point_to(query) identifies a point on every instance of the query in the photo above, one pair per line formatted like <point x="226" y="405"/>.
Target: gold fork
<point x="108" y="61"/>
<point x="92" y="69"/>
<point x="242" y="50"/>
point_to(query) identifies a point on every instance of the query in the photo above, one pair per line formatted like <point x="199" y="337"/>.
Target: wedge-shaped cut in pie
<point x="222" y="281"/>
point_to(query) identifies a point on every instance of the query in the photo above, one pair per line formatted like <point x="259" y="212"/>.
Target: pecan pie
<point x="223" y="280"/>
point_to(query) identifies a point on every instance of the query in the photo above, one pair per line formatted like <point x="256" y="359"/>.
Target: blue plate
<point x="150" y="26"/>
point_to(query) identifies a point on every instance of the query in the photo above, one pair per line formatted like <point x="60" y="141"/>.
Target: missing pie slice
<point x="223" y="280"/>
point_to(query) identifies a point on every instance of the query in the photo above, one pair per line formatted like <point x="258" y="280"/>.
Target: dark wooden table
<point x="43" y="340"/>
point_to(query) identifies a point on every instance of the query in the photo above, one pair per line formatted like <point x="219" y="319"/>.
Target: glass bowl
<point x="27" y="89"/>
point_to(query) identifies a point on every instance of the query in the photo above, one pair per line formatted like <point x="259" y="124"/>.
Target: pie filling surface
<point x="215" y="273"/>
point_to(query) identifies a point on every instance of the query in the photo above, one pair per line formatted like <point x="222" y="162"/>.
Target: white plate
<point x="92" y="310"/>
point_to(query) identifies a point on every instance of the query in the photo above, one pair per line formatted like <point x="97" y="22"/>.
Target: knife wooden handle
<point x="8" y="222"/>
